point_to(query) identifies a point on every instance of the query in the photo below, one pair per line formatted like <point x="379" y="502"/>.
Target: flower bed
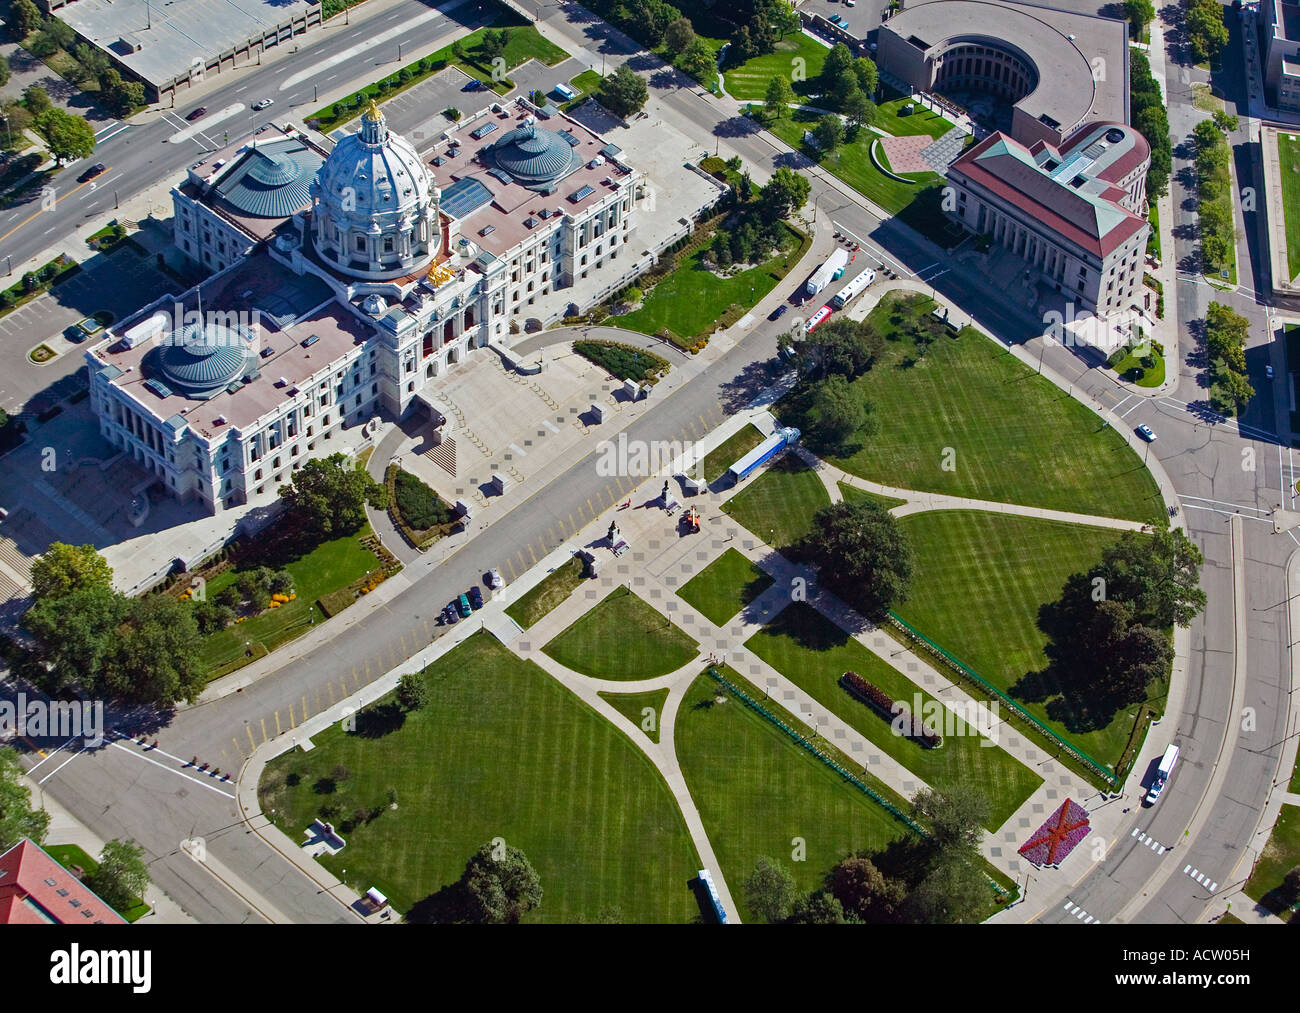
<point x="626" y="362"/>
<point x="895" y="712"/>
<point x="1052" y="843"/>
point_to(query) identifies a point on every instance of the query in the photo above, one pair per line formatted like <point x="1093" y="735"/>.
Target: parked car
<point x="1268" y="371"/>
<point x="463" y="604"/>
<point x="264" y="104"/>
<point x="850" y="3"/>
<point x="92" y="172"/>
<point x="200" y="111"/>
<point x="1146" y="433"/>
<point x="475" y="597"/>
<point x="778" y="313"/>
<point x="452" y="612"/>
<point x="493" y="578"/>
<point x="473" y="84"/>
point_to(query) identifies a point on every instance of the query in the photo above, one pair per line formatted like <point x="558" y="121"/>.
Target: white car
<point x="264" y="104"/>
<point x="493" y="579"/>
<point x="1146" y="433"/>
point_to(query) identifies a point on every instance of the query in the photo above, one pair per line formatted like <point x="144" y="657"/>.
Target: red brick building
<point x="37" y="890"/>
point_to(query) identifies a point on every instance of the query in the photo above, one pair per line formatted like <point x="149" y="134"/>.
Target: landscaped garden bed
<point x="418" y="512"/>
<point x="627" y="362"/>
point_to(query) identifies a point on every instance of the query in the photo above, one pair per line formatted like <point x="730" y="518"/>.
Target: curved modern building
<point x="1057" y="69"/>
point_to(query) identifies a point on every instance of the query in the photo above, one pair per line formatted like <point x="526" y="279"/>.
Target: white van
<point x="1163" y="771"/>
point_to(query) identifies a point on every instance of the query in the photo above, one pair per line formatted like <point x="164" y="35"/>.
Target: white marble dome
<point x="374" y="206"/>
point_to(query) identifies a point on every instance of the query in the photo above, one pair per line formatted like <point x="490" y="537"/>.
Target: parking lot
<point x="863" y="17"/>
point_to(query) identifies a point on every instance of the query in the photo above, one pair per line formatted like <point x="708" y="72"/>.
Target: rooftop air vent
<point x="309" y="341"/>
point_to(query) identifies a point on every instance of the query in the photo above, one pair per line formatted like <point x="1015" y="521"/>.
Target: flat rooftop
<point x="1061" y="44"/>
<point x="161" y="39"/>
<point x="289" y="309"/>
<point x="504" y="208"/>
<point x="1287" y="17"/>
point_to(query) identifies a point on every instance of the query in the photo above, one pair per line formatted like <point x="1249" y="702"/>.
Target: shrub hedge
<point x="626" y="362"/>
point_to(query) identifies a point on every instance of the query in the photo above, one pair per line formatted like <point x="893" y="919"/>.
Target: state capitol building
<point x="344" y="283"/>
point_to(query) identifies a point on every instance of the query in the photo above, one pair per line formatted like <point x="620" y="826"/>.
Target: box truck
<point x="828" y="272"/>
<point x="1163" y="771"/>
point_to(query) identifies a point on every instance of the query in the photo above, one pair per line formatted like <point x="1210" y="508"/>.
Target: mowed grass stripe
<point x="812" y="652"/>
<point x="622" y="637"/>
<point x="756" y="790"/>
<point x="979" y="582"/>
<point x="502" y="750"/>
<point x="1013" y="437"/>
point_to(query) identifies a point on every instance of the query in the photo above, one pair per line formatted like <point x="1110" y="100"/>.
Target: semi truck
<point x="1163" y="771"/>
<point x="764" y="452"/>
<point x="845" y="295"/>
<point x="828" y="272"/>
<point x="711" y="891"/>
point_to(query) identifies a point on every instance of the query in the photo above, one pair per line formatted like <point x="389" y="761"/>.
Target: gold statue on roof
<point x="372" y="111"/>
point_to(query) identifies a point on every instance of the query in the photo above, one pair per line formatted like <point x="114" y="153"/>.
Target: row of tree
<point x="47" y="36"/>
<point x="1225" y="346"/>
<point x="939" y="879"/>
<point x="1206" y="32"/>
<point x="1214" y="190"/>
<point x="846" y="84"/>
<point x="1151" y="120"/>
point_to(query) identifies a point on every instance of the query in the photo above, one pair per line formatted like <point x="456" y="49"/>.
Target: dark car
<point x="473" y="84"/>
<point x="452" y="612"/>
<point x="92" y="172"/>
<point x="200" y="111"/>
<point x="778" y="313"/>
<point x="476" y="597"/>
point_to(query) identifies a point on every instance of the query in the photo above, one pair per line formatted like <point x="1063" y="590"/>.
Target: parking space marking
<point x="178" y="773"/>
<point x="63" y="764"/>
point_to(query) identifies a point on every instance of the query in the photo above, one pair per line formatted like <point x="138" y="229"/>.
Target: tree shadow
<point x="379" y="720"/>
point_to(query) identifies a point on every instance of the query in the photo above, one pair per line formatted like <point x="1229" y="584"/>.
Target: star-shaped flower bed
<point x="1057" y="837"/>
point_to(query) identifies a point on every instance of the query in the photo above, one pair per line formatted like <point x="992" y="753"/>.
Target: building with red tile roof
<point x="37" y="890"/>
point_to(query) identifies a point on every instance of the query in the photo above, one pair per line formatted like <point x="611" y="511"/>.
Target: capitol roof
<point x="535" y="157"/>
<point x="272" y="181"/>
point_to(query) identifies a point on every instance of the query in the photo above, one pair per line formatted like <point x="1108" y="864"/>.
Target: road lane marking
<point x="320" y="66"/>
<point x="63" y="764"/>
<point x="178" y="773"/>
<point x="48" y="755"/>
<point x="191" y="129"/>
<point x="43" y="210"/>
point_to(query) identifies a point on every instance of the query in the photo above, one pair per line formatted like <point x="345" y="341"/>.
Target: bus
<point x="817" y="319"/>
<point x="845" y="295"/>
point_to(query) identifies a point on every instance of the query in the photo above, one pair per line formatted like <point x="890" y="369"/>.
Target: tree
<point x="678" y="36"/>
<point x="1139" y="13"/>
<point x="841" y="347"/>
<point x="863" y="554"/>
<point x="413" y="691"/>
<point x="952" y="892"/>
<point x="838" y="60"/>
<point x="59" y="32"/>
<point x="1226" y="121"/>
<point x="838" y="413"/>
<point x="63" y="568"/>
<point x="956" y="817"/>
<point x="27" y="17"/>
<point x="1157" y="573"/>
<point x="493" y="44"/>
<point x="623" y="92"/>
<point x="17" y="817"/>
<point x="770" y="891"/>
<point x="76" y="632"/>
<point x="1231" y="392"/>
<point x="842" y="87"/>
<point x="120" y="96"/>
<point x="68" y="137"/>
<point x="779" y="96"/>
<point x="36" y="99"/>
<point x="785" y="193"/>
<point x="4" y="71"/>
<point x="122" y="876"/>
<point x="867" y="74"/>
<point x="212" y="616"/>
<point x="783" y="18"/>
<point x="154" y="659"/>
<point x="697" y="60"/>
<point x="864" y="891"/>
<point x="327" y="497"/>
<point x="828" y="132"/>
<point x="820" y="907"/>
<point x="500" y="891"/>
<point x="860" y="110"/>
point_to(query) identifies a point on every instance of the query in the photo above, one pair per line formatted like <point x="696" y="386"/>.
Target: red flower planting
<point x="881" y="702"/>
<point x="1056" y="838"/>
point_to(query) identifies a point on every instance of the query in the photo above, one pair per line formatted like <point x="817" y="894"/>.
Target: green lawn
<point x="623" y="637"/>
<point x="852" y="494"/>
<point x="731" y="450"/>
<point x="502" y="750"/>
<point x="748" y="82"/>
<point x="68" y="855"/>
<point x="1153" y="240"/>
<point x="812" y="652"/>
<point x="1013" y="436"/>
<point x="779" y="504"/>
<point x="724" y="587"/>
<point x="1281" y="854"/>
<point x="980" y="579"/>
<point x="917" y="204"/>
<point x="633" y="706"/>
<point x="585" y="84"/>
<point x="328" y="567"/>
<point x="1295" y="778"/>
<point x="920" y="121"/>
<point x="1131" y="368"/>
<point x="692" y="298"/>
<point x="756" y="791"/>
<point x="1288" y="156"/>
<point x="547" y="594"/>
